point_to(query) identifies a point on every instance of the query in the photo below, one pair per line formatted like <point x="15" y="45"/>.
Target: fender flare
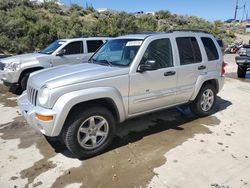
<point x="200" y="81"/>
<point x="67" y="101"/>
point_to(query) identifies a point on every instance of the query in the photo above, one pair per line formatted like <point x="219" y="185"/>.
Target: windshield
<point x="118" y="52"/>
<point x="52" y="47"/>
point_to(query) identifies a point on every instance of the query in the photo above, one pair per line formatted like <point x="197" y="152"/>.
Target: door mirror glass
<point x="149" y="65"/>
<point x="61" y="52"/>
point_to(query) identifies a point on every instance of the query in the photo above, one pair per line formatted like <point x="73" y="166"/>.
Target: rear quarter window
<point x="211" y="50"/>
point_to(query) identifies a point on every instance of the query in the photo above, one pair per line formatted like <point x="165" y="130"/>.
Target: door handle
<point x="169" y="73"/>
<point x="202" y="67"/>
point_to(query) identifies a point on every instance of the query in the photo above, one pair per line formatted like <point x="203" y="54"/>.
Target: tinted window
<point x="74" y="48"/>
<point x="189" y="50"/>
<point x="93" y="45"/>
<point x="211" y="50"/>
<point x="160" y="51"/>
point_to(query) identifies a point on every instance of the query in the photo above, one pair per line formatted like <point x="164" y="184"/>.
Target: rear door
<point x="91" y="47"/>
<point x="191" y="65"/>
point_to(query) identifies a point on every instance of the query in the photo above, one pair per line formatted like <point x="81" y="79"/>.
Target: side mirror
<point x="149" y="65"/>
<point x="61" y="52"/>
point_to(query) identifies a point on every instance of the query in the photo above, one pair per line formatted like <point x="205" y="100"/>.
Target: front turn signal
<point x="44" y="118"/>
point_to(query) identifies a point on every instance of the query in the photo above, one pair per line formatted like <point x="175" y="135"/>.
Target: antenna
<point x="236" y="9"/>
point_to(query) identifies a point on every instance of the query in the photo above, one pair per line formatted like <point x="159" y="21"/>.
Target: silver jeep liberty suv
<point x="127" y="77"/>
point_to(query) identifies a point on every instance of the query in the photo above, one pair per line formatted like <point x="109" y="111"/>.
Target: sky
<point x="208" y="9"/>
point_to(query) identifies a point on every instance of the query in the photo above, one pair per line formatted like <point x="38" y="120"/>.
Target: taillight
<point x="223" y="65"/>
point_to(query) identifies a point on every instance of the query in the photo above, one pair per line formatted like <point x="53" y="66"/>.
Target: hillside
<point x="25" y="27"/>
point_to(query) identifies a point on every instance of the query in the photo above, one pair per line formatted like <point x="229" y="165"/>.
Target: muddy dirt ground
<point x="170" y="148"/>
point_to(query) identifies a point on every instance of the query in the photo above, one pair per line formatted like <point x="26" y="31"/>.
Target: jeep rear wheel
<point x="241" y="72"/>
<point x="205" y="100"/>
<point x="89" y="132"/>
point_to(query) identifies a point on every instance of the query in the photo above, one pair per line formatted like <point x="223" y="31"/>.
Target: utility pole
<point x="236" y="9"/>
<point x="244" y="12"/>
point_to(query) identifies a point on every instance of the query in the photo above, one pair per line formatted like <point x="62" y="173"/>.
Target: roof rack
<point x="187" y="30"/>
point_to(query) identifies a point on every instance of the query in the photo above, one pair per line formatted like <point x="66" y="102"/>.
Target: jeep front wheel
<point x="205" y="100"/>
<point x="89" y="132"/>
<point x="241" y="72"/>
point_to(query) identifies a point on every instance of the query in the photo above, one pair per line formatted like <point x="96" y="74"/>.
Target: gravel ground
<point x="170" y="148"/>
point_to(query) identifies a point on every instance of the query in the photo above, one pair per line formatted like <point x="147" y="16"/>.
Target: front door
<point x="154" y="89"/>
<point x="73" y="54"/>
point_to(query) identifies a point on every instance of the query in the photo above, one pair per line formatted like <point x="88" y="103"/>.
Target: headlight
<point x="13" y="66"/>
<point x="43" y="96"/>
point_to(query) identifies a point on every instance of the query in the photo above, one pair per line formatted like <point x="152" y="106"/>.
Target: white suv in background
<point x="15" y="70"/>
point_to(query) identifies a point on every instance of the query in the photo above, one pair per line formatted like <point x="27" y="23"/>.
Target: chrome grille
<point x="2" y="65"/>
<point x="32" y="95"/>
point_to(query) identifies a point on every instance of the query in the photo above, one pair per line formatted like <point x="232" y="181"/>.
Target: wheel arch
<point x="213" y="81"/>
<point x="28" y="70"/>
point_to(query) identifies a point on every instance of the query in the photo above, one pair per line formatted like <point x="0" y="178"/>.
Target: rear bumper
<point x="221" y="81"/>
<point x="29" y="113"/>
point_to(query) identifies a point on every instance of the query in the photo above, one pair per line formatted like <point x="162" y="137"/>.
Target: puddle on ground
<point x="6" y="97"/>
<point x="138" y="148"/>
<point x="18" y="129"/>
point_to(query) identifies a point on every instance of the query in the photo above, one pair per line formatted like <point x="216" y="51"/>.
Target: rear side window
<point x="74" y="48"/>
<point x="160" y="51"/>
<point x="93" y="45"/>
<point x="211" y="50"/>
<point x="189" y="50"/>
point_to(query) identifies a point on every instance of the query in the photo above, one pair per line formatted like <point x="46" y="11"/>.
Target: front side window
<point x="211" y="50"/>
<point x="118" y="52"/>
<point x="189" y="51"/>
<point x="93" y="45"/>
<point x="52" y="47"/>
<point x="74" y="48"/>
<point x="159" y="51"/>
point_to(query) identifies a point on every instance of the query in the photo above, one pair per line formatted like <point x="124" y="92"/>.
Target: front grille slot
<point x="2" y="66"/>
<point x="32" y="95"/>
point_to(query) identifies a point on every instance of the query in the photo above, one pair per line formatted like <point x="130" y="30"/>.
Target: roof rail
<point x="187" y="30"/>
<point x="149" y="33"/>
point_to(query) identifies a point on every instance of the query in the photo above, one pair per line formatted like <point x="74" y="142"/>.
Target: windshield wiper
<point x="102" y="62"/>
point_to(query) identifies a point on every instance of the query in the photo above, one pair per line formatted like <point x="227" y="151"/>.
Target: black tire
<point x="241" y="72"/>
<point x="24" y="81"/>
<point x="73" y="124"/>
<point x="196" y="106"/>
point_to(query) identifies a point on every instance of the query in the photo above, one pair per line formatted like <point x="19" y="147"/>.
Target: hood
<point x="72" y="74"/>
<point x="22" y="58"/>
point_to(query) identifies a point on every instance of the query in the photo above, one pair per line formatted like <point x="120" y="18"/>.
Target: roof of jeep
<point x="142" y="36"/>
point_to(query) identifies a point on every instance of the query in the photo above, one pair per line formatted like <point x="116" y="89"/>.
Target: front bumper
<point x="243" y="60"/>
<point x="10" y="77"/>
<point x="29" y="112"/>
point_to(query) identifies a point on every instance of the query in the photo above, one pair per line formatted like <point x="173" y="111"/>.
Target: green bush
<point x="25" y="27"/>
